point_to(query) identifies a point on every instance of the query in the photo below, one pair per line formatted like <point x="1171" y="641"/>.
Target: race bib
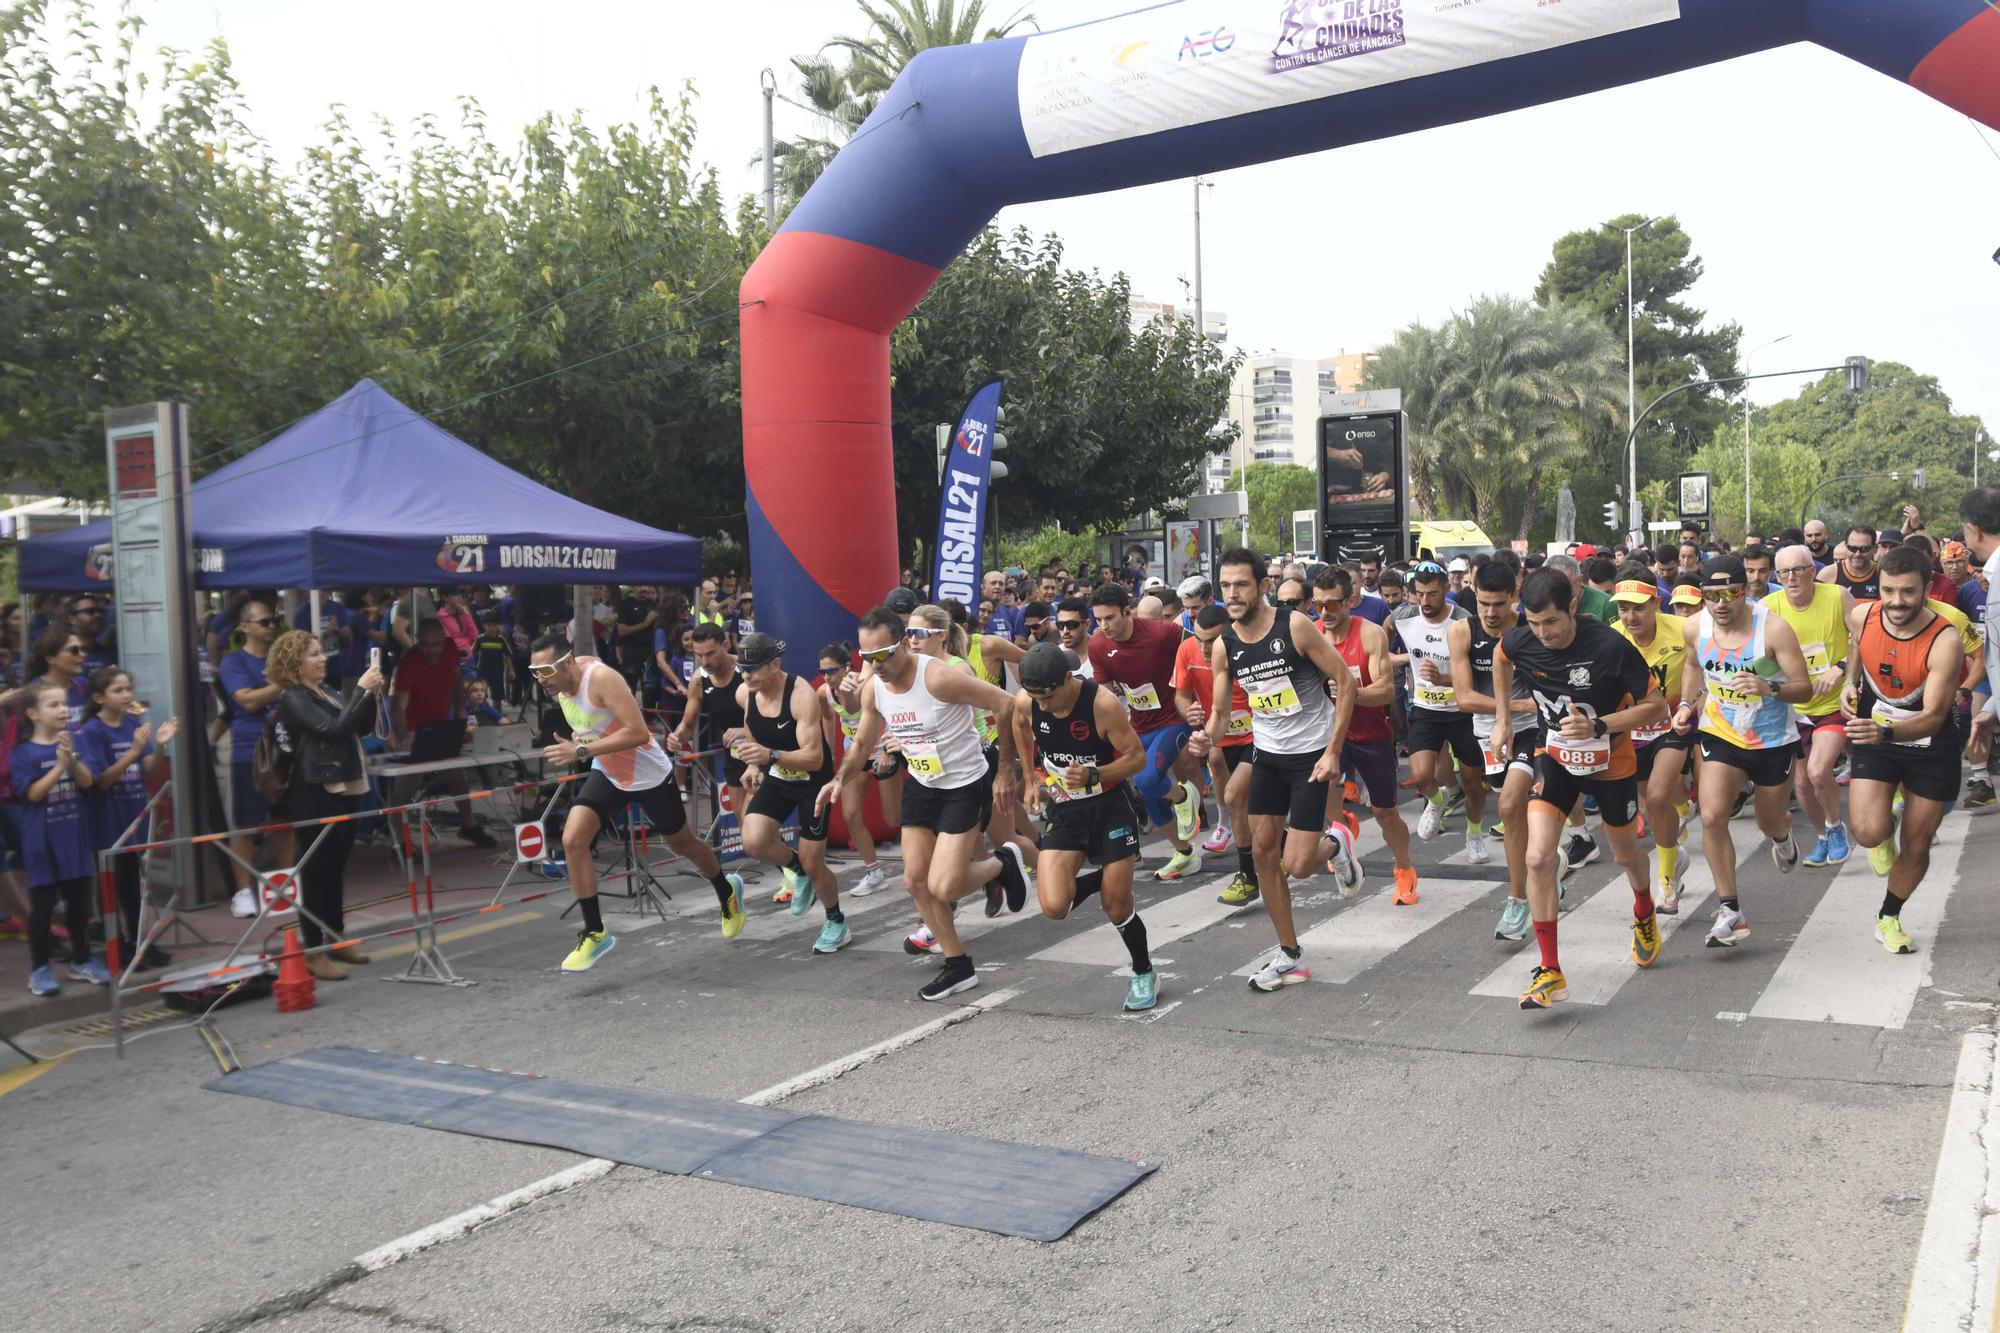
<point x="1887" y="715"/>
<point x="1282" y="701"/>
<point x="1647" y="735"/>
<point x="1058" y="790"/>
<point x="1583" y="758"/>
<point x="1496" y="763"/>
<point x="1141" y="698"/>
<point x="1240" y="723"/>
<point x="786" y="774"/>
<point x="850" y="727"/>
<point x="1433" y="695"/>
<point x="1818" y="658"/>
<point x="923" y="758"/>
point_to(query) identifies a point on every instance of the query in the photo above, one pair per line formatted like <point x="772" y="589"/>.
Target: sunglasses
<point x="878" y="655"/>
<point x="543" y="670"/>
<point x="919" y="631"/>
<point x="76" y="648"/>
<point x="265" y="622"/>
<point x="1032" y="626"/>
<point x="1067" y="625"/>
<point x="1723" y="594"/>
<point x="1861" y="550"/>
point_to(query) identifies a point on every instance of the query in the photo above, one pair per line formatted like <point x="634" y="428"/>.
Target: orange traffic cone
<point x="295" y="984"/>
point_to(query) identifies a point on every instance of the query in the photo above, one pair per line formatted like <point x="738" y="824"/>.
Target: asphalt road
<point x="1735" y="1139"/>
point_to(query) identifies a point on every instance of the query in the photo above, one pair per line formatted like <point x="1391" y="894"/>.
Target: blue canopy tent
<point x="366" y="491"/>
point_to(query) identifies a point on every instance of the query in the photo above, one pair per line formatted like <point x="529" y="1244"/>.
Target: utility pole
<point x="1200" y="327"/>
<point x="1631" y="375"/>
<point x="1746" y="426"/>
<point x="770" y="85"/>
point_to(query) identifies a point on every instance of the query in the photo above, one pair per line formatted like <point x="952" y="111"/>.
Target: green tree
<point x="1276" y="491"/>
<point x="1078" y="549"/>
<point x="829" y="94"/>
<point x="1102" y="422"/>
<point x="1673" y="344"/>
<point x="900" y="30"/>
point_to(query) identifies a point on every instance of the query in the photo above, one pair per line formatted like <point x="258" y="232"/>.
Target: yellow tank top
<point x="1664" y="656"/>
<point x="988" y="732"/>
<point x="1822" y="631"/>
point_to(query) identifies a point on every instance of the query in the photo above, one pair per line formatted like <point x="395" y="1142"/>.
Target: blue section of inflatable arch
<point x="945" y="151"/>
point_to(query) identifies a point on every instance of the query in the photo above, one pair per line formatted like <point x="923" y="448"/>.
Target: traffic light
<point x="1611" y="514"/>
<point x="1917" y="478"/>
<point x="943" y="447"/>
<point x="1857" y="374"/>
<point x="998" y="442"/>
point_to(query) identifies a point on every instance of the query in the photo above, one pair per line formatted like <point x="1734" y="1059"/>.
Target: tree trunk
<point x="1531" y="498"/>
<point x="583" y="642"/>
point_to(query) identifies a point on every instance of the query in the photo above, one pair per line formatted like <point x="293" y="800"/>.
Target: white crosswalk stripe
<point x="1357" y="939"/>
<point x="1835" y="972"/>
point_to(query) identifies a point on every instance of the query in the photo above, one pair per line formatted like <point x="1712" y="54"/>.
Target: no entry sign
<point x="530" y="843"/>
<point x="277" y="888"/>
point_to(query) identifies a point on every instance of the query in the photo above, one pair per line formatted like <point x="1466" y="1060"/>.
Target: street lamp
<point x="1631" y="369"/>
<point x="1746" y="427"/>
<point x="1980" y="445"/>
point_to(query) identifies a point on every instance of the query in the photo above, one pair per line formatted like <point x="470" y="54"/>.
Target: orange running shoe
<point x="1350" y="793"/>
<point x="1406" y="886"/>
<point x="1353" y="824"/>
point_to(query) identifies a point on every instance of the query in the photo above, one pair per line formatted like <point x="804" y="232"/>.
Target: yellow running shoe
<point x="732" y="912"/>
<point x="1889" y="930"/>
<point x="1545" y="988"/>
<point x="591" y="945"/>
<point x="1645" y="941"/>
<point x="1882" y="856"/>
<point x="1238" y="891"/>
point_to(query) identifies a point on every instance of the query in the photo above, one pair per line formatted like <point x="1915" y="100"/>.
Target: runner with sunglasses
<point x="1072" y="622"/>
<point x="1663" y="753"/>
<point x="627" y="767"/>
<point x="1088" y="750"/>
<point x="1752" y="674"/>
<point x="1856" y="571"/>
<point x="928" y="705"/>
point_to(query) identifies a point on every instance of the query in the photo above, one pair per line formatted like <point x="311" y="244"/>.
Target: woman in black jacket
<point x="323" y="732"/>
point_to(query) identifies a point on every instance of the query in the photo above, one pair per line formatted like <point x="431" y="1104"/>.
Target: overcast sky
<point x="1828" y="202"/>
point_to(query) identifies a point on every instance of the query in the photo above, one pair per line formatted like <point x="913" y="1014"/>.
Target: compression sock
<point x="1732" y="904"/>
<point x="1545" y="936"/>
<point x="1439" y="797"/>
<point x="1088" y="882"/>
<point x="592" y="920"/>
<point x="795" y="865"/>
<point x="1133" y="931"/>
<point x="1670" y="858"/>
<point x="1642" y="903"/>
<point x="1891" y="905"/>
<point x="1291" y="951"/>
<point x="1246" y="864"/>
<point x="1681" y="808"/>
<point x="835" y="915"/>
<point x="723" y="888"/>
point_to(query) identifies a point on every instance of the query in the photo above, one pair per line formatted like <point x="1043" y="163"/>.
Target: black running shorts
<point x="777" y="798"/>
<point x="1104" y="828"/>
<point x="948" y="809"/>
<point x="1434" y="730"/>
<point x="1280" y="784"/>
<point x="1617" y="798"/>
<point x="661" y="803"/>
<point x="1766" y="768"/>
<point x="1931" y="771"/>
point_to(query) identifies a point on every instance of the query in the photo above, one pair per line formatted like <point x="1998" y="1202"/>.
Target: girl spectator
<point x="55" y="835"/>
<point x="843" y="703"/>
<point x="123" y="752"/>
<point x="480" y="710"/>
<point x="675" y="668"/>
<point x="328" y="778"/>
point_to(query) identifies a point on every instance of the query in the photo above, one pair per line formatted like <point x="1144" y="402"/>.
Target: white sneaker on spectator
<point x="243" y="903"/>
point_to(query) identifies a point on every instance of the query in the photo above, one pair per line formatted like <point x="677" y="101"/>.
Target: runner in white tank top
<point x="627" y="768"/>
<point x="928" y="707"/>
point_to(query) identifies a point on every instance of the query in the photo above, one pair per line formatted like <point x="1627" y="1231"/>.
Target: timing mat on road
<point x="1011" y="1188"/>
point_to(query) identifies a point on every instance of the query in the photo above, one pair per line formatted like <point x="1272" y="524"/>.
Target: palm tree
<point x="899" y="29"/>
<point x="828" y="90"/>
<point x="1415" y="363"/>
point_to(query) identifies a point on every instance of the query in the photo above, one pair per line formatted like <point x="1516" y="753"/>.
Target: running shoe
<point x="996" y="892"/>
<point x="833" y="937"/>
<point x="1476" y="852"/>
<point x="798" y="882"/>
<point x="1546" y="988"/>
<point x="1978" y="794"/>
<point x="1890" y="933"/>
<point x="732" y="911"/>
<point x="1817" y="856"/>
<point x="803" y="897"/>
<point x="1514" y="921"/>
<point x="1183" y="865"/>
<point x="1645" y="941"/>
<point x="1013" y="876"/>
<point x="921" y="943"/>
<point x="42" y="981"/>
<point x="1431" y="822"/>
<point x="783" y="895"/>
<point x="956" y="975"/>
<point x="1687" y="823"/>
<point x="591" y="945"/>
<point x="1350" y="793"/>
<point x="1282" y="971"/>
<point x="1238" y="891"/>
<point x="1187" y="811"/>
<point x="876" y="878"/>
<point x="1144" y="992"/>
<point x="1406" y="886"/>
<point x="555" y="869"/>
<point x="1896" y="806"/>
<point x="1454" y="801"/>
<point x="1667" y="898"/>
<point x="1217" y="840"/>
<point x="1742" y="799"/>
<point x="1838" y="849"/>
<point x="1730" y="926"/>
<point x="89" y="970"/>
<point x="1882" y="856"/>
<point x="1577" y="851"/>
<point x="1590" y="805"/>
<point x="243" y="903"/>
<point x="1785" y="855"/>
<point x="1344" y="865"/>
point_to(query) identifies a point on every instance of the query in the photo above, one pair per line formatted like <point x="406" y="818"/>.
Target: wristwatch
<point x="583" y="754"/>
<point x="1597" y="727"/>
<point x="1885" y="733"/>
<point x="1092" y="780"/>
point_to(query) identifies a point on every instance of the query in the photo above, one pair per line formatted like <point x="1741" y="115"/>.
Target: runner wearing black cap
<point x="1088" y="751"/>
<point x="788" y="758"/>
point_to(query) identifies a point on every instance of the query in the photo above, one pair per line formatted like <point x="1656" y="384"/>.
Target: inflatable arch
<point x="1162" y="93"/>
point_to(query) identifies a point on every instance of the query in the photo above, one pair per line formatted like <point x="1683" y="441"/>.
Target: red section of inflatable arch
<point x="1964" y="71"/>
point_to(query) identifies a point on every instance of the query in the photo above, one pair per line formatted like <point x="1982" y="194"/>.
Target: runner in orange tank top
<point x="1370" y="751"/>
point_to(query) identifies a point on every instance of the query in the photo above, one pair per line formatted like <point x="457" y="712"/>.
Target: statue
<point x="1565" y="515"/>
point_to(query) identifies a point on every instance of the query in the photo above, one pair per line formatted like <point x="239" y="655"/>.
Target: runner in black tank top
<point x="712" y="702"/>
<point x="1078" y="744"/>
<point x="1868" y="586"/>
<point x="789" y="757"/>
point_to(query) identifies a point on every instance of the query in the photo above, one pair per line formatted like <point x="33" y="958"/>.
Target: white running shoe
<point x="1343" y="863"/>
<point x="1217" y="840"/>
<point x="1431" y="822"/>
<point x="875" y="879"/>
<point x="1476" y="852"/>
<point x="243" y="903"/>
<point x="1730" y="927"/>
<point x="1279" y="973"/>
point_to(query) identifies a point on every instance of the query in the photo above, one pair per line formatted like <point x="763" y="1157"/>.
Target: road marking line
<point x="464" y="933"/>
<point x="22" y="1075"/>
<point x="1952" y="1284"/>
<point x="594" y="1168"/>
<point x="1836" y="972"/>
<point x="1357" y="939"/>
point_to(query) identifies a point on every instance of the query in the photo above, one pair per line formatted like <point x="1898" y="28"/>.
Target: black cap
<point x="902" y="600"/>
<point x="758" y="649"/>
<point x="1045" y="666"/>
<point x="1725" y="571"/>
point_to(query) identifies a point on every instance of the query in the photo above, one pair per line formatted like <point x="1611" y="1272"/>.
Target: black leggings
<point x="323" y="874"/>
<point x="75" y="895"/>
<point x="125" y="870"/>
